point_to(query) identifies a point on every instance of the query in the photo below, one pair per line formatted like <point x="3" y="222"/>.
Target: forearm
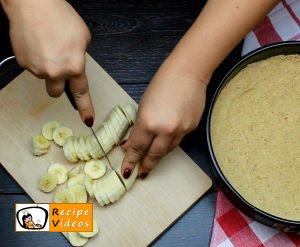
<point x="218" y="29"/>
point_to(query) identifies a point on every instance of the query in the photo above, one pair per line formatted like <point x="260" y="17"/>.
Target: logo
<point x="32" y="217"/>
<point x="54" y="217"/>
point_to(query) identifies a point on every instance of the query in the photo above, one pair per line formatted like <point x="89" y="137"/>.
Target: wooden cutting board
<point x="145" y="211"/>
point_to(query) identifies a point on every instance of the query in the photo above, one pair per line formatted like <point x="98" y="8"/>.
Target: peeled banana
<point x="112" y="186"/>
<point x="109" y="134"/>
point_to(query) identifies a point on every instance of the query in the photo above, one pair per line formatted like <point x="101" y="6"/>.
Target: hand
<point x="50" y="39"/>
<point x="170" y="108"/>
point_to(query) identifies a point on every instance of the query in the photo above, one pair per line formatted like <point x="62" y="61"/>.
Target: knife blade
<point x="73" y="103"/>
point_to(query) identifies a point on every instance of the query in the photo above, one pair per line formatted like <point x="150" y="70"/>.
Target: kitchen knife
<point x="73" y="103"/>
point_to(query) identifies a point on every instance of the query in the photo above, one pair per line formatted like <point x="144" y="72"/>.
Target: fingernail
<point x="123" y="142"/>
<point x="143" y="175"/>
<point x="89" y="121"/>
<point x="126" y="173"/>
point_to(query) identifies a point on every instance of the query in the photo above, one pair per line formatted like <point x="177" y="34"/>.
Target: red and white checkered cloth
<point x="231" y="227"/>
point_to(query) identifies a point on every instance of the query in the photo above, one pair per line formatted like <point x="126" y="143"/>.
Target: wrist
<point x="179" y="66"/>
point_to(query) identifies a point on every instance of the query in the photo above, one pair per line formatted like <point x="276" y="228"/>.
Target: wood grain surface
<point x="158" y="25"/>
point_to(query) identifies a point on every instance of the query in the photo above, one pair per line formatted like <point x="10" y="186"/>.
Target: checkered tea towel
<point x="231" y="227"/>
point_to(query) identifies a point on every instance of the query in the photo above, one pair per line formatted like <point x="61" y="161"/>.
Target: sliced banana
<point x="95" y="168"/>
<point x="77" y="240"/>
<point x="64" y="196"/>
<point x="108" y="189"/>
<point x="88" y="182"/>
<point x="74" y="171"/>
<point x="79" y="193"/>
<point x="69" y="151"/>
<point x="47" y="182"/>
<point x="93" y="233"/>
<point x="93" y="147"/>
<point x="83" y="148"/>
<point x="77" y="179"/>
<point x="130" y="112"/>
<point x="77" y="148"/>
<point x="40" y="145"/>
<point x="59" y="171"/>
<point x="115" y="188"/>
<point x="39" y="152"/>
<point x="98" y="193"/>
<point x="61" y="134"/>
<point x="48" y="128"/>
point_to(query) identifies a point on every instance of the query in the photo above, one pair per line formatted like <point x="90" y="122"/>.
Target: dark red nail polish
<point x="143" y="175"/>
<point x="123" y="142"/>
<point x="126" y="173"/>
<point x="89" y="122"/>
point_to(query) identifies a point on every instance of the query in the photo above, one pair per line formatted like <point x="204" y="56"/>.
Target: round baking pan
<point x="284" y="48"/>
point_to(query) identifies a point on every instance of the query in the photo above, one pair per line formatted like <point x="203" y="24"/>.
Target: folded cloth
<point x="231" y="227"/>
<point x="281" y="24"/>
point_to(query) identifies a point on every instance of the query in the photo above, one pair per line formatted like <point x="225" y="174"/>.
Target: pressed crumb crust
<point x="255" y="131"/>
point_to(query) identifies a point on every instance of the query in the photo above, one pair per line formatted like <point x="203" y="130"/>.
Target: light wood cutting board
<point x="145" y="211"/>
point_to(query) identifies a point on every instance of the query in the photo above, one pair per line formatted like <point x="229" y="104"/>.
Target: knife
<point x="73" y="103"/>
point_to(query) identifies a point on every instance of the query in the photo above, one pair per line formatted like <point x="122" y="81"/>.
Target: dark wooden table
<point x="130" y="41"/>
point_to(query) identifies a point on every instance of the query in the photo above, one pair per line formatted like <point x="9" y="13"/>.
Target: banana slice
<point x="93" y="233"/>
<point x="108" y="189"/>
<point x="95" y="168"/>
<point x="47" y="182"/>
<point x="89" y="182"/>
<point x="77" y="240"/>
<point x="64" y="196"/>
<point x="48" y="128"/>
<point x="93" y="147"/>
<point x="117" y="189"/>
<point x="74" y="171"/>
<point x="103" y="185"/>
<point x="40" y="145"/>
<point x="59" y="171"/>
<point x="77" y="179"/>
<point x="61" y="134"/>
<point x="130" y="181"/>
<point x="112" y="138"/>
<point x="79" y="193"/>
<point x="39" y="152"/>
<point x="69" y="151"/>
<point x="76" y="148"/>
<point x="129" y="111"/>
<point x="98" y="193"/>
<point x="83" y="148"/>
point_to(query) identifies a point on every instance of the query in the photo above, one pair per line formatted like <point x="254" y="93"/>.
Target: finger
<point x="80" y="89"/>
<point x="137" y="145"/>
<point x="158" y="149"/>
<point x="55" y="88"/>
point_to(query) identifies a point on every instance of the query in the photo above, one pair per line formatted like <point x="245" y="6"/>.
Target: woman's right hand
<point x="50" y="40"/>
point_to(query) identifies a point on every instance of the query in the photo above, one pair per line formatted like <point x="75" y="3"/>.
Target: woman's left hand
<point x="170" y="108"/>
